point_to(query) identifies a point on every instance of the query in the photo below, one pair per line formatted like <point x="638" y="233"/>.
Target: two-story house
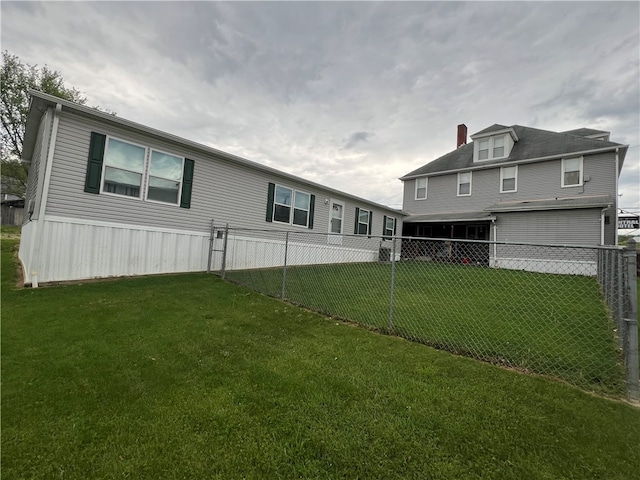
<point x="518" y="184"/>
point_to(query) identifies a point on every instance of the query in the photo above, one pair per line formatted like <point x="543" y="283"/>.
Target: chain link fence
<point x="560" y="311"/>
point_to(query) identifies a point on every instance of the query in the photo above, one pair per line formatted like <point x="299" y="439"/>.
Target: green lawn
<point x="554" y="325"/>
<point x="187" y="376"/>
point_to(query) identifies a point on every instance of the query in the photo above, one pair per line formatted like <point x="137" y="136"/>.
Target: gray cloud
<point x="355" y="138"/>
<point x="280" y="83"/>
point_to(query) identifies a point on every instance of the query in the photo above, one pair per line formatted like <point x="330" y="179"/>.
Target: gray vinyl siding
<point x="223" y="190"/>
<point x="36" y="168"/>
<point x="558" y="227"/>
<point x="611" y="227"/>
<point x="535" y="181"/>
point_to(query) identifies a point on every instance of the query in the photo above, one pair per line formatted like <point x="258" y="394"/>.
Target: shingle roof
<point x="532" y="143"/>
<point x="493" y="128"/>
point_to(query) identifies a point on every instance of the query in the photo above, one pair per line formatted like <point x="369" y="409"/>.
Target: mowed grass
<point x="187" y="376"/>
<point x="554" y="325"/>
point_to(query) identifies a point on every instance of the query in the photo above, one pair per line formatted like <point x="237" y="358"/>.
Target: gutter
<point x="602" y="225"/>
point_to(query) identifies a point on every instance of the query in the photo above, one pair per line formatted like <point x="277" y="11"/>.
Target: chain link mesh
<point x="549" y="310"/>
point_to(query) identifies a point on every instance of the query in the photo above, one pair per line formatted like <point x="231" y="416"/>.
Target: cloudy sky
<point x="352" y="95"/>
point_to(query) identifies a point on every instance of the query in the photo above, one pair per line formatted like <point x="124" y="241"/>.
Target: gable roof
<point x="41" y="101"/>
<point x="496" y="127"/>
<point x="533" y="145"/>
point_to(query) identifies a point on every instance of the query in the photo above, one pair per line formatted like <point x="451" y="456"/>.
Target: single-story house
<point x="110" y="197"/>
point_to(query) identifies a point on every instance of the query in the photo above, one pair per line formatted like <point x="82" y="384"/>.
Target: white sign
<point x="628" y="223"/>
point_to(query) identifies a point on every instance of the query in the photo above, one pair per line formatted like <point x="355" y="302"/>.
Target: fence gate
<point x="217" y="248"/>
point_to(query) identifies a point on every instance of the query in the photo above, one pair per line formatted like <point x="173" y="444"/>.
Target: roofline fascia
<point x="92" y="112"/>
<point x="517" y="162"/>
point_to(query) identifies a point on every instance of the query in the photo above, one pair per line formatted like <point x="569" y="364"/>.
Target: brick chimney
<point x="462" y="135"/>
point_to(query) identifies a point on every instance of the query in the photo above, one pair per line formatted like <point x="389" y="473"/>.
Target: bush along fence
<point x="568" y="312"/>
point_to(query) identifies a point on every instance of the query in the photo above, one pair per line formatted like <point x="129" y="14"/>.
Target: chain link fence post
<point x="620" y="273"/>
<point x="632" y="323"/>
<point x="599" y="267"/>
<point x="393" y="283"/>
<point x="283" y="292"/>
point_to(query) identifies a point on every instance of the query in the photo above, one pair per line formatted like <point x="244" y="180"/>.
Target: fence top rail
<point x="527" y="244"/>
<point x="429" y="239"/>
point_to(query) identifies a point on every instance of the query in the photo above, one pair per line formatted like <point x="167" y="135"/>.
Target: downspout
<point x="602" y="225"/>
<point x="495" y="239"/>
<point x="33" y="274"/>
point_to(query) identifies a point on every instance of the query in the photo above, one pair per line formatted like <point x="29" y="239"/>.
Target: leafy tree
<point x="14" y="177"/>
<point x="16" y="79"/>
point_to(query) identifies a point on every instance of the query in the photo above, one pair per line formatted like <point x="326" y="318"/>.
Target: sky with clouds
<point x="351" y="95"/>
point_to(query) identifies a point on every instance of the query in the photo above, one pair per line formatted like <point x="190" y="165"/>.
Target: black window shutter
<point x="355" y="229"/>
<point x="312" y="207"/>
<point x="270" y="196"/>
<point x="395" y="224"/>
<point x="94" y="163"/>
<point x="370" y="222"/>
<point x="384" y="225"/>
<point x="187" y="183"/>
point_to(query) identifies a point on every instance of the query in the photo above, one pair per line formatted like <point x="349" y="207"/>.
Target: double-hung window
<point x="464" y="184"/>
<point x="572" y="173"/>
<point x="421" y="188"/>
<point x="364" y="220"/>
<point x="498" y="147"/>
<point x="291" y="206"/>
<point x="509" y="179"/>
<point x="491" y="148"/>
<point x="389" y="227"/>
<point x="124" y="165"/>
<point x="287" y="205"/>
<point x="483" y="149"/>
<point x="121" y="168"/>
<point x="165" y="177"/>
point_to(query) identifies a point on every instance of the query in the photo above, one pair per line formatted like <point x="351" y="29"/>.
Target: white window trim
<point x="331" y="204"/>
<point x="426" y="188"/>
<point x="482" y="149"/>
<point x="393" y="228"/>
<point x="581" y="175"/>
<point x="144" y="186"/>
<point x="491" y="140"/>
<point x="368" y="220"/>
<point x="148" y="170"/>
<point x="292" y="207"/>
<point x="143" y="181"/>
<point x="515" y="189"/>
<point x="470" y="184"/>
